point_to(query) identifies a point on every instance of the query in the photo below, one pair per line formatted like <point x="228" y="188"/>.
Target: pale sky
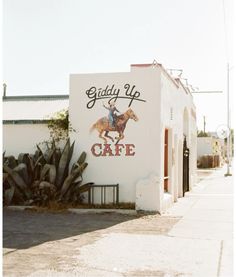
<point x="46" y="40"/>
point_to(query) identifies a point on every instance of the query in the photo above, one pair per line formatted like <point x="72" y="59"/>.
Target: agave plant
<point x="44" y="176"/>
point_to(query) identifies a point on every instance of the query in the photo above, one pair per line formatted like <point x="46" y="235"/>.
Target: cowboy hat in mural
<point x="113" y="123"/>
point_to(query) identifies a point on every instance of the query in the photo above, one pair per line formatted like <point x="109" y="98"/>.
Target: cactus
<point x="44" y="176"/>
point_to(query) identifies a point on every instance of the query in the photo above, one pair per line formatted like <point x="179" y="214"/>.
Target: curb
<point x="78" y="211"/>
<point x="18" y="208"/>
<point x="99" y="211"/>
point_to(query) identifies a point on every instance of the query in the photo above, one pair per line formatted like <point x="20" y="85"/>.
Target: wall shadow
<point x="24" y="229"/>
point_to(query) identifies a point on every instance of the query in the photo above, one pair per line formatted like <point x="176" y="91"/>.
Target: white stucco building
<point x="145" y="157"/>
<point x="25" y="121"/>
<point x="147" y="160"/>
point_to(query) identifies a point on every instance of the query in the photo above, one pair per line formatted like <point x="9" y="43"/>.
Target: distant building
<point x="211" y="146"/>
<point x="25" y="121"/>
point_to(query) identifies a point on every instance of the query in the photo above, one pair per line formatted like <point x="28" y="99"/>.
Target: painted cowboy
<point x="111" y="116"/>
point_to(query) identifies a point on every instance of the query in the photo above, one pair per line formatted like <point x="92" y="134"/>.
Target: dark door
<point x="166" y="149"/>
<point x="185" y="167"/>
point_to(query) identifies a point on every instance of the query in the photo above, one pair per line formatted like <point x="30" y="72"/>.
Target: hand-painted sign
<point x="113" y="122"/>
<point x="99" y="150"/>
<point x="117" y="124"/>
<point x="113" y="93"/>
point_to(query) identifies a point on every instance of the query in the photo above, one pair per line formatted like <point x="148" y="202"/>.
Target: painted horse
<point x="103" y="125"/>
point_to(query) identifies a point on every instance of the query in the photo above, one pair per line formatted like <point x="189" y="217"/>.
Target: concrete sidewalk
<point x="192" y="239"/>
<point x="200" y="244"/>
<point x="207" y="217"/>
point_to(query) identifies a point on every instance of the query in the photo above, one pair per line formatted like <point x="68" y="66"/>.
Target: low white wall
<point x="22" y="138"/>
<point x="146" y="191"/>
<point x="204" y="146"/>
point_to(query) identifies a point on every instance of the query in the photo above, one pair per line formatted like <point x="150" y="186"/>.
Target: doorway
<point x="166" y="151"/>
<point x="185" y="167"/>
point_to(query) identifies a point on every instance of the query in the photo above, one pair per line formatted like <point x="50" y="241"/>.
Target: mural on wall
<point x="115" y="121"/>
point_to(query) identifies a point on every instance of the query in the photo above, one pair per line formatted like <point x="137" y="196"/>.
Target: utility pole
<point x="204" y="124"/>
<point x="228" y="124"/>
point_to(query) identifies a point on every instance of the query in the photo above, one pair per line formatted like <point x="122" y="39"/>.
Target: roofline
<point x="187" y="90"/>
<point x="143" y="64"/>
<point x="25" y="121"/>
<point x="161" y="67"/>
<point x="35" y="97"/>
<point x="168" y="75"/>
<point x="176" y="81"/>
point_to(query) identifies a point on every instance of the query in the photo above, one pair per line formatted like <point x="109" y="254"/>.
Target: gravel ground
<point x="50" y="244"/>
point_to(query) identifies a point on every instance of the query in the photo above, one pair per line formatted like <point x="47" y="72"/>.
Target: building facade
<point x="150" y="148"/>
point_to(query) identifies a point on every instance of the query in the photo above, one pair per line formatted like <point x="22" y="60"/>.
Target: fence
<point x="209" y="161"/>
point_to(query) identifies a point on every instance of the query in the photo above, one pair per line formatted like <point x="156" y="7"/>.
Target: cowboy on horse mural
<point x="114" y="123"/>
<point x="111" y="116"/>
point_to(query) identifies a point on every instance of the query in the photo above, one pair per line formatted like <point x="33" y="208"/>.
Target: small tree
<point x="202" y="134"/>
<point x="59" y="125"/>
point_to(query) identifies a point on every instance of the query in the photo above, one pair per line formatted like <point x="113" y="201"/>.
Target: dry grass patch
<point x="54" y="206"/>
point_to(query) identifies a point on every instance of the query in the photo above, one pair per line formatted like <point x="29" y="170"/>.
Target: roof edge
<point x="35" y="97"/>
<point x="25" y="121"/>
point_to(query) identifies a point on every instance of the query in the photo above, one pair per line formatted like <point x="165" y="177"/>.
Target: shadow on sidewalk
<point x="24" y="229"/>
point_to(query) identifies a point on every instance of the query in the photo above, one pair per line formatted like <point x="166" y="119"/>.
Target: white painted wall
<point x="22" y="138"/>
<point x="209" y="146"/>
<point x="180" y="122"/>
<point x="204" y="146"/>
<point x="140" y="176"/>
<point x="144" y="134"/>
